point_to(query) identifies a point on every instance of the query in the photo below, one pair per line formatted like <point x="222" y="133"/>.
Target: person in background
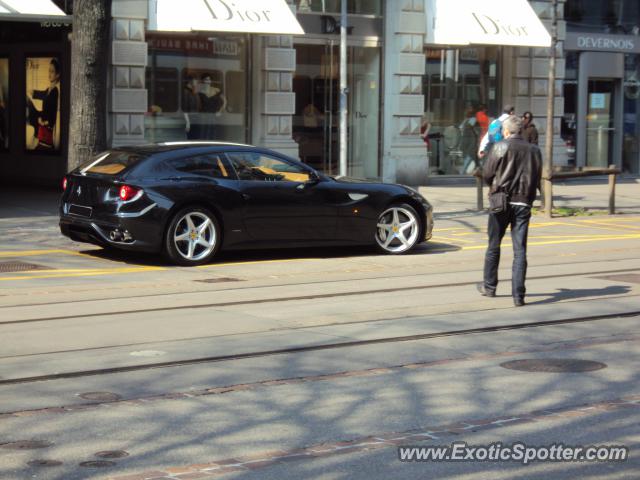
<point x="529" y="130"/>
<point x="494" y="133"/>
<point x="483" y="119"/>
<point x="469" y="136"/>
<point x="514" y="167"/>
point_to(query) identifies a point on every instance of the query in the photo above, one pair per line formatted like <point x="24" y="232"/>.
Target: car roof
<point x="153" y="148"/>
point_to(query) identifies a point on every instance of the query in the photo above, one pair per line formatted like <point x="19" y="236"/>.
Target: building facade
<point x="281" y="90"/>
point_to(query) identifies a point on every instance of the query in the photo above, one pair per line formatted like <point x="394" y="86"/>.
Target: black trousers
<point x="517" y="216"/>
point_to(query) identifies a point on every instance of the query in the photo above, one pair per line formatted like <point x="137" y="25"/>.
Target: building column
<point x="274" y="62"/>
<point x="128" y="95"/>
<point x="530" y="81"/>
<point x="404" y="156"/>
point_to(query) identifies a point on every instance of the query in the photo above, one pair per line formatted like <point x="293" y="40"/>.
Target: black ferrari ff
<point x="188" y="200"/>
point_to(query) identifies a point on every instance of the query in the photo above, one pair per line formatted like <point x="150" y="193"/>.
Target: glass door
<point x="600" y="123"/>
<point x="364" y="111"/>
<point x="317" y="117"/>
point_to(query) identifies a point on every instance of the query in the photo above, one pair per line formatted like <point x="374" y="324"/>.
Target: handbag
<point x="498" y="199"/>
<point x="498" y="202"/>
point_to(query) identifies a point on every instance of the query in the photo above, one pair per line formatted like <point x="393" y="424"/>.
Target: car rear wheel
<point x="192" y="237"/>
<point x="397" y="229"/>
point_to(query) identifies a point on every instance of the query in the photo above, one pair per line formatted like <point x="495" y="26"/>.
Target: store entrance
<point x="600" y="123"/>
<point x="317" y="117"/>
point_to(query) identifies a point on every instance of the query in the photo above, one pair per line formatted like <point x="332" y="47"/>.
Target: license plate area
<point x="80" y="210"/>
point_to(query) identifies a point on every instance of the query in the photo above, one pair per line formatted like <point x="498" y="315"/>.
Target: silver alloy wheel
<point x="194" y="236"/>
<point x="398" y="229"/>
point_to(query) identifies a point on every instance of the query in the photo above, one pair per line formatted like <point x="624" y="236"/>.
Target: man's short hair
<point x="509" y="109"/>
<point x="512" y="124"/>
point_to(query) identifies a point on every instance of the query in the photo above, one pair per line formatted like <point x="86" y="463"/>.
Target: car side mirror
<point x="313" y="178"/>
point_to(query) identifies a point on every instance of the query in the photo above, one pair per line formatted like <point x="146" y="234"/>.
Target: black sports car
<point x="189" y="199"/>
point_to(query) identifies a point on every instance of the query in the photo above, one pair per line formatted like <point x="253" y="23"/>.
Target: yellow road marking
<point x="625" y="227"/>
<point x="88" y="273"/>
<point x="31" y="253"/>
<point x="254" y="262"/>
<point x="577" y="240"/>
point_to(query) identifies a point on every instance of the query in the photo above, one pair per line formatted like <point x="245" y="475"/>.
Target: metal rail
<point x="329" y="346"/>
<point x="292" y="298"/>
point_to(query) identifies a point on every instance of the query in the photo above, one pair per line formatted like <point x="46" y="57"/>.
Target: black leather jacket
<point x="516" y="167"/>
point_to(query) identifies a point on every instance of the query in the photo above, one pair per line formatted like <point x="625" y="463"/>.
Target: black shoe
<point x="484" y="292"/>
<point x="518" y="302"/>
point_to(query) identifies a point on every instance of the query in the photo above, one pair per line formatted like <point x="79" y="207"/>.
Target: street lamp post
<point x="343" y="89"/>
<point x="548" y="157"/>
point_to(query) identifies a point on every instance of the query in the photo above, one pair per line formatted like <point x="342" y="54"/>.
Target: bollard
<point x="479" y="202"/>
<point x="612" y="191"/>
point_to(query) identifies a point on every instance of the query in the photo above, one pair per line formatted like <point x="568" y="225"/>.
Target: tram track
<point x="319" y="282"/>
<point x="272" y="300"/>
<point x="313" y="348"/>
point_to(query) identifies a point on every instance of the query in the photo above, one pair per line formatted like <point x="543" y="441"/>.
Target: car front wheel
<point x="192" y="237"/>
<point x="397" y="229"/>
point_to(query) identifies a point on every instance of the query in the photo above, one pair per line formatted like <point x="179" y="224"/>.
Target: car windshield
<point x="111" y="162"/>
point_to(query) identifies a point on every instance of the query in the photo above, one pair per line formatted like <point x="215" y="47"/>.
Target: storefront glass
<point x="461" y="98"/>
<point x="316" y="117"/>
<point x="362" y="7"/>
<point x="198" y="87"/>
<point x="42" y="131"/>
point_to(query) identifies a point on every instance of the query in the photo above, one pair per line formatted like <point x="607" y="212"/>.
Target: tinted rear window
<point x="111" y="163"/>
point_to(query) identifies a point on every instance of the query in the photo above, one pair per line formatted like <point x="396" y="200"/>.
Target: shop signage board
<point x="596" y="42"/>
<point x="247" y="16"/>
<point x="491" y="22"/>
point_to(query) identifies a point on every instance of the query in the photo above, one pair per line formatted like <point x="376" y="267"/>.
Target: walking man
<point x="513" y="167"/>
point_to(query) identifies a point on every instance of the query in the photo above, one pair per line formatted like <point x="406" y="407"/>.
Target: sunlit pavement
<point x="314" y="363"/>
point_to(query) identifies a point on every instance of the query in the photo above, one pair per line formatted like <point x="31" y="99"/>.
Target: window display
<point x="461" y="92"/>
<point x="43" y="104"/>
<point x="197" y="87"/>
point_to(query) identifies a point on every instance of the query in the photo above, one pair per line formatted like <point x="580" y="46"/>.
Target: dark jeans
<point x="518" y="217"/>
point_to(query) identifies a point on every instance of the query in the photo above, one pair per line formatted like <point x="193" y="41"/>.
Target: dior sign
<point x="493" y="26"/>
<point x="602" y="43"/>
<point x="227" y="10"/>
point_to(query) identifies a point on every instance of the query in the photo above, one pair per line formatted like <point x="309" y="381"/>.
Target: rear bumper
<point x="137" y="232"/>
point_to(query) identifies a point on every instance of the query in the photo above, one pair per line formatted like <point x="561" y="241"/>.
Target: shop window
<point x="42" y="128"/>
<point x="205" y="95"/>
<point x="460" y="90"/>
<point x="360" y="7"/>
<point x="620" y="17"/>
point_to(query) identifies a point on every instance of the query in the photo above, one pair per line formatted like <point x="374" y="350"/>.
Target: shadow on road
<point x="571" y="294"/>
<point x="242" y="256"/>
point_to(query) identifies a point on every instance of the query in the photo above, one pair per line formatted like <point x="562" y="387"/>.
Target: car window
<point x="259" y="166"/>
<point x="206" y="165"/>
<point x="111" y="162"/>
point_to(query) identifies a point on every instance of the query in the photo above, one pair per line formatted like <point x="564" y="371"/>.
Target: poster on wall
<point x="4" y="107"/>
<point x="43" y="104"/>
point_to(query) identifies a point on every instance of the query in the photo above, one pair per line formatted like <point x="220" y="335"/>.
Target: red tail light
<point x="64" y="183"/>
<point x="127" y="192"/>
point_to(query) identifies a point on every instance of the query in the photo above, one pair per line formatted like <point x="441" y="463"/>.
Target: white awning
<point x="486" y="22"/>
<point x="248" y="16"/>
<point x="30" y="10"/>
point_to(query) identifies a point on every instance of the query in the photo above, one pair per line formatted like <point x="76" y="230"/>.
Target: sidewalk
<point x="591" y="194"/>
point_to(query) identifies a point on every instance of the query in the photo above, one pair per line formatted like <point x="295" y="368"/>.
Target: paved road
<point x="315" y="363"/>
